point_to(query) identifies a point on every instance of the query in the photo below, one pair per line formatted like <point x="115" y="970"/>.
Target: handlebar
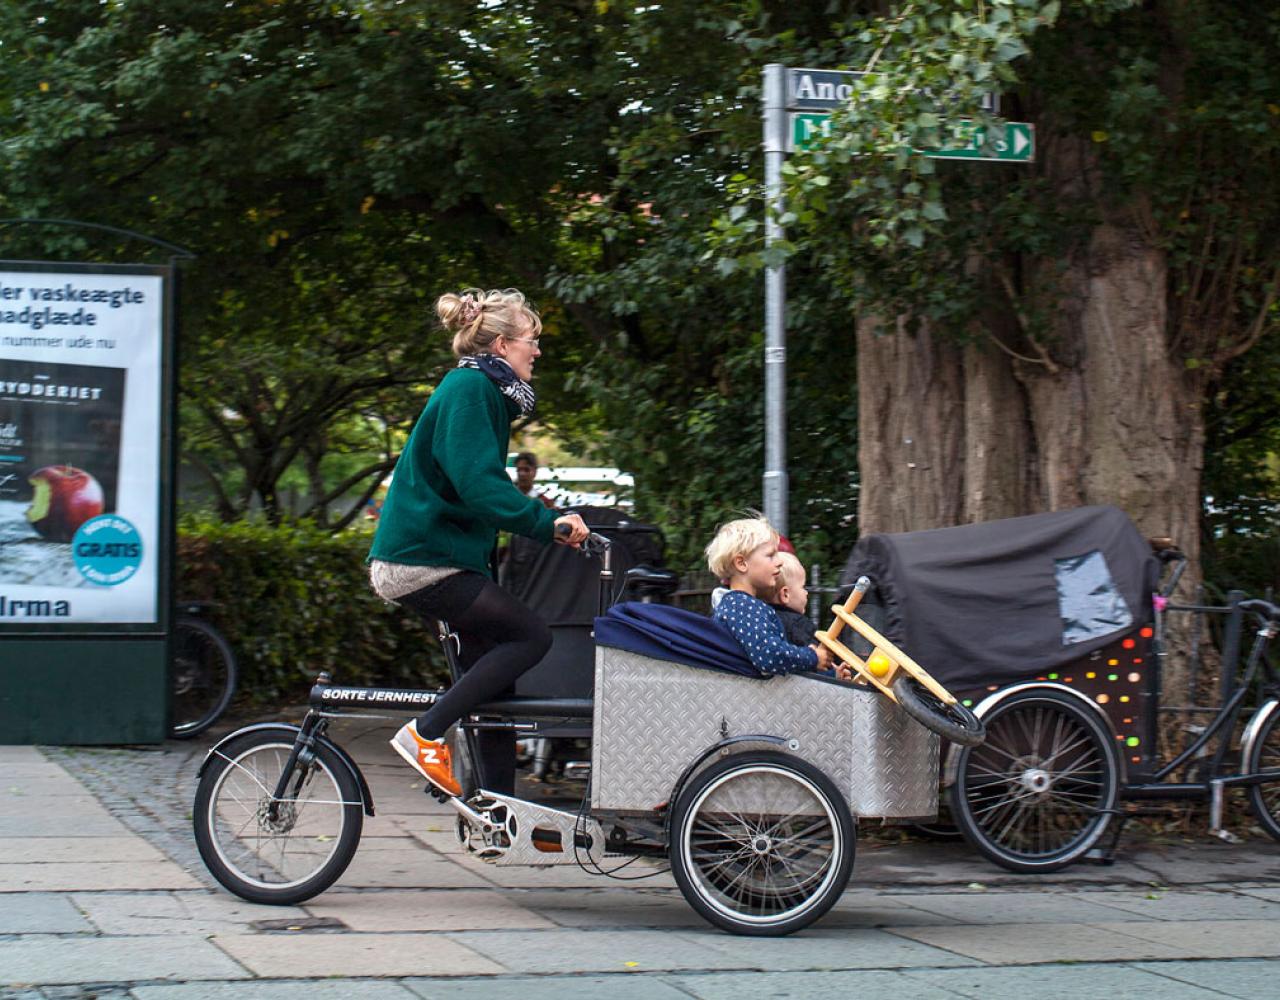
<point x="594" y="542"/>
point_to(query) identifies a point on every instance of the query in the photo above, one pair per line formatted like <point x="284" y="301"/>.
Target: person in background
<point x="744" y="553"/>
<point x="526" y="472"/>
<point x="450" y="495"/>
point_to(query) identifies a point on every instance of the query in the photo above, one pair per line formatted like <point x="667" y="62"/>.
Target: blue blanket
<point x="672" y="634"/>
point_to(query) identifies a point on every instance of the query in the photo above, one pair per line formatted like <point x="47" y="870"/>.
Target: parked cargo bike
<point x="1054" y="629"/>
<point x="749" y="787"/>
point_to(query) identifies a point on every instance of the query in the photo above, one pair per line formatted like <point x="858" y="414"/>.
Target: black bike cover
<point x="561" y="584"/>
<point x="1004" y="600"/>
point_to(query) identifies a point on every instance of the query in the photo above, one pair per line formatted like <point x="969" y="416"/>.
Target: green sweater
<point x="450" y="493"/>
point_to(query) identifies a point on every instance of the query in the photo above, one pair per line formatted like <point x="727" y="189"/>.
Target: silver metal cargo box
<point x="654" y="718"/>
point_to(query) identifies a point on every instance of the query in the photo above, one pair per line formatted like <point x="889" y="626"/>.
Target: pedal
<point x="440" y="796"/>
<point x="577" y="770"/>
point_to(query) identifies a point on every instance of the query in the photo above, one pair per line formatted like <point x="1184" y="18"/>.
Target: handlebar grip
<point x="1264" y="608"/>
<point x="563" y="531"/>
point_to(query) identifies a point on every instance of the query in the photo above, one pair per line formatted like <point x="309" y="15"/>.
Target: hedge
<point x="293" y="601"/>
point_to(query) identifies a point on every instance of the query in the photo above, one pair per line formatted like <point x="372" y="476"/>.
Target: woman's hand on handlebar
<point x="571" y="530"/>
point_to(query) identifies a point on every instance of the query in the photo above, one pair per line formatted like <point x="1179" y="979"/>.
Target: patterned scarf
<point x="503" y="375"/>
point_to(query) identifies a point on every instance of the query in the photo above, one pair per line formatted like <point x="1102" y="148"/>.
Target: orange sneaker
<point x="430" y="757"/>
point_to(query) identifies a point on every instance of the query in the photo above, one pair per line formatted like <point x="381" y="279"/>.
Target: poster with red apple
<point x="80" y="418"/>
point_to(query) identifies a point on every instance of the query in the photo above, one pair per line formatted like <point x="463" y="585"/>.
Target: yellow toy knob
<point x="879" y="664"/>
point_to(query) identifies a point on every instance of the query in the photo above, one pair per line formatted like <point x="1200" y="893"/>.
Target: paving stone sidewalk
<point x="102" y="894"/>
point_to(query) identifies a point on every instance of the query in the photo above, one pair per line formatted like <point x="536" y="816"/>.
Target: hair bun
<point x="458" y="310"/>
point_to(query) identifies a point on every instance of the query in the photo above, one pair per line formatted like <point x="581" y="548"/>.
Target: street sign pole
<point x="797" y="109"/>
<point x="775" y="487"/>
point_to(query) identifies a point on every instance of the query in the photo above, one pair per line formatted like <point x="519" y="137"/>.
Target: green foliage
<point x="667" y="380"/>
<point x="293" y="601"/>
<point x="337" y="165"/>
<point x="1241" y="526"/>
<point x="1158" y="117"/>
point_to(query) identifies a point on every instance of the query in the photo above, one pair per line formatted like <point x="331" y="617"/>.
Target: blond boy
<point x="744" y="553"/>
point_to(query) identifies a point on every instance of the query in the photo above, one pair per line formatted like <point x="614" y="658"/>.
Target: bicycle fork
<point x="301" y="758"/>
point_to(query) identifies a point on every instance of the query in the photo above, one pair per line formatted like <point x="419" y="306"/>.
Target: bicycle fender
<point x="721" y="747"/>
<point x="1250" y="735"/>
<point x="951" y="766"/>
<point x="292" y="732"/>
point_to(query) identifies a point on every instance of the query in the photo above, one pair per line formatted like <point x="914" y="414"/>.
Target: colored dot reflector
<point x="1112" y="677"/>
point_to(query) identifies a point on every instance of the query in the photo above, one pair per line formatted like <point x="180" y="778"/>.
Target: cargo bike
<point x="1055" y="628"/>
<point x="749" y="788"/>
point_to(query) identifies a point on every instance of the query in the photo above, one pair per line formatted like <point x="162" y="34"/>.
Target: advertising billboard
<point x="82" y="437"/>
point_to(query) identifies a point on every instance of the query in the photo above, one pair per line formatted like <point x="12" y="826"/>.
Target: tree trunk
<point x="952" y="434"/>
<point x="910" y="428"/>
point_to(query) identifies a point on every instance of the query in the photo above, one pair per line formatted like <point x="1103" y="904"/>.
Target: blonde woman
<point x="449" y="497"/>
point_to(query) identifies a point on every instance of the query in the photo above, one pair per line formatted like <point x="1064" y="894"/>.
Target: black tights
<point x="501" y="639"/>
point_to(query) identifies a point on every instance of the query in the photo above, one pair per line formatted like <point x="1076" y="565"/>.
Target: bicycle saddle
<point x="649" y="580"/>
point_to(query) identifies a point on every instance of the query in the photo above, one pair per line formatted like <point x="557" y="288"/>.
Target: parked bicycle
<point x="202" y="672"/>
<point x="1053" y="627"/>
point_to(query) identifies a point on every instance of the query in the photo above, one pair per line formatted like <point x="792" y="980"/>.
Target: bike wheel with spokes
<point x="954" y="722"/>
<point x="270" y="850"/>
<point x="1040" y="791"/>
<point x="202" y="677"/>
<point x="761" y="843"/>
<point x="1264" y="755"/>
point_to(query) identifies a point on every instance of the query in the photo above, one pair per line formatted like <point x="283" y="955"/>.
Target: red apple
<point x="65" y="497"/>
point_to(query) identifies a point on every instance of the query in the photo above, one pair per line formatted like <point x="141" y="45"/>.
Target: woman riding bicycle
<point x="449" y="496"/>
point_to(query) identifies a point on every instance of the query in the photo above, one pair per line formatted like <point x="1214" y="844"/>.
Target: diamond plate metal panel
<point x="653" y="718"/>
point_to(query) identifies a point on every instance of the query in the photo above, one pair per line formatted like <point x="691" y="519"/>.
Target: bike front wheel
<point x="202" y="677"/>
<point x="276" y="850"/>
<point x="1264" y="755"/>
<point x="954" y="722"/>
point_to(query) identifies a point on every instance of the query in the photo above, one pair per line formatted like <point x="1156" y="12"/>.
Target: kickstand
<point x="1105" y="853"/>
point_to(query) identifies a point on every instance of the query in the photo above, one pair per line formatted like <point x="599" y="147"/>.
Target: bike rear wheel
<point x="1038" y="794"/>
<point x="270" y="850"/>
<point x="761" y="843"/>
<point x="202" y="677"/>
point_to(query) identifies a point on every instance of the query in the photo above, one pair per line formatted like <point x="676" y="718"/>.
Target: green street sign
<point x="1016" y="145"/>
<point x="968" y="142"/>
<point x="805" y="127"/>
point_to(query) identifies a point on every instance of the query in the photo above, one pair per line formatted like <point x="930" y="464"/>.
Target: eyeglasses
<point x="524" y="340"/>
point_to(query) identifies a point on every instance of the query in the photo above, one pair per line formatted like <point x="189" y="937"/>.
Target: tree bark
<point x="952" y="434"/>
<point x="910" y="427"/>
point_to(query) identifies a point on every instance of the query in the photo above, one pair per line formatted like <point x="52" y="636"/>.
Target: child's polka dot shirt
<point x="759" y="632"/>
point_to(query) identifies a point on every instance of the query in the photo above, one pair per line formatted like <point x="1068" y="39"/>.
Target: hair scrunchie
<point x="471" y="309"/>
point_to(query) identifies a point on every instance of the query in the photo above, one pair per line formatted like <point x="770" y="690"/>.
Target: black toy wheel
<point x="1264" y="755"/>
<point x="1040" y="791"/>
<point x="954" y="722"/>
<point x="202" y="677"/>
<point x="761" y="843"/>
<point x="269" y="850"/>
